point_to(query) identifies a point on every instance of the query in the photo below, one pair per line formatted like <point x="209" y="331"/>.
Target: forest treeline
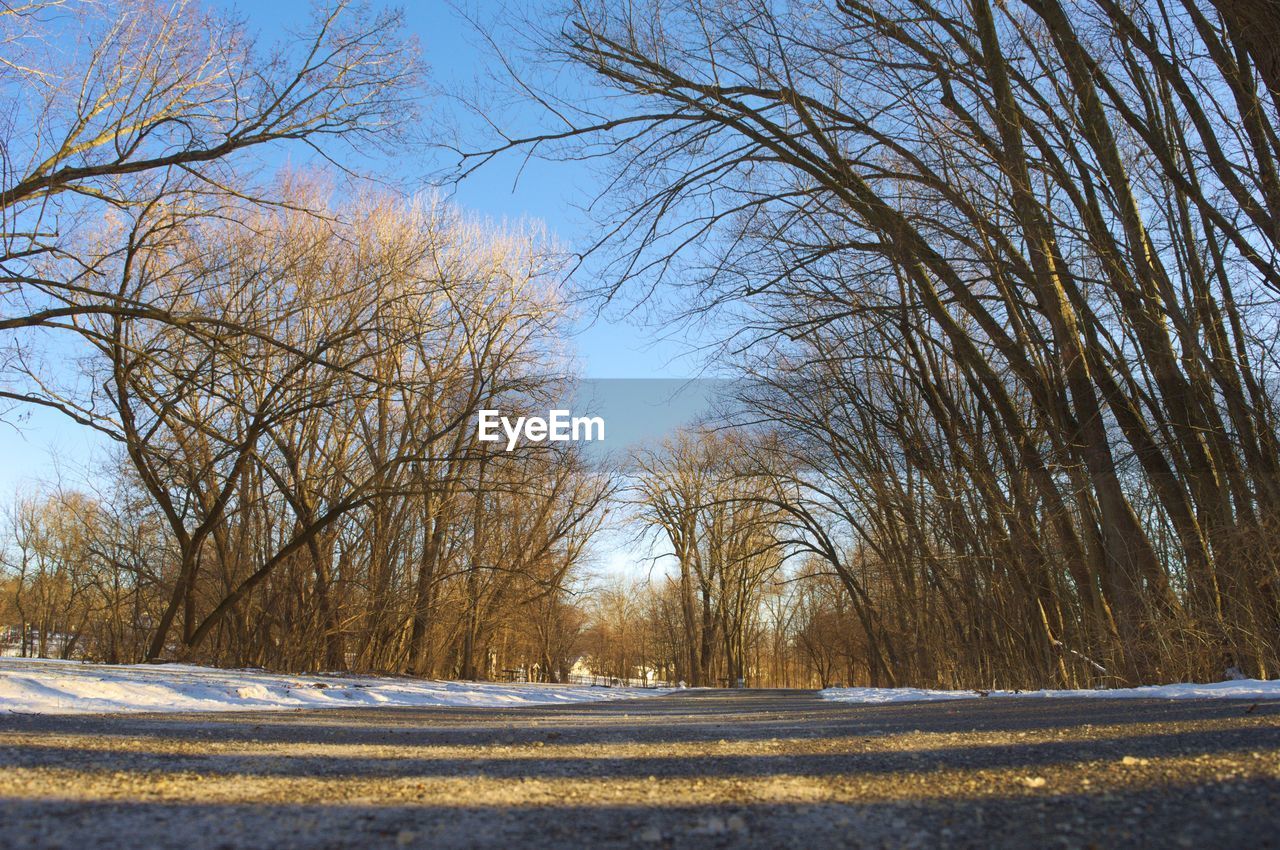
<point x="1003" y="278"/>
<point x="309" y="493"/>
<point x="998" y="281"/>
<point x="288" y="381"/>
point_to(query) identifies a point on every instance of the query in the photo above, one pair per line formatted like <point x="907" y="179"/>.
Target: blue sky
<point x="40" y="445"/>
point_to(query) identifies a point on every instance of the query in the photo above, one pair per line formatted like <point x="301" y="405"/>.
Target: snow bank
<point x="42" y="686"/>
<point x="1237" y="689"/>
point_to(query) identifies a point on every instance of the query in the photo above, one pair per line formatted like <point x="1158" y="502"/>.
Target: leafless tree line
<point x="723" y="541"/>
<point x="793" y="632"/>
<point x="1003" y="277"/>
<point x="320" y="500"/>
<point x="290" y="380"/>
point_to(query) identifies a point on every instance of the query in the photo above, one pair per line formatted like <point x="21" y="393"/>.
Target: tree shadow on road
<point x="876" y="755"/>
<point x="709" y="716"/>
<point x="1228" y="814"/>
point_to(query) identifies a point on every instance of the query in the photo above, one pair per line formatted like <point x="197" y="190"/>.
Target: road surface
<point x="694" y="769"/>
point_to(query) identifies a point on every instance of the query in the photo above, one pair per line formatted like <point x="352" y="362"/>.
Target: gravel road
<point x="694" y="769"/>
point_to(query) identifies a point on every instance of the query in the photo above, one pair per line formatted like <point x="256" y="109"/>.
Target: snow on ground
<point x="1236" y="689"/>
<point x="41" y="686"/>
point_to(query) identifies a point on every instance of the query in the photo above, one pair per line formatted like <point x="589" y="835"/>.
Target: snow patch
<point x="43" y="686"/>
<point x="1235" y="689"/>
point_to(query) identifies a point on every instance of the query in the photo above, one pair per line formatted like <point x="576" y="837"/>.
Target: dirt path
<point x="717" y="768"/>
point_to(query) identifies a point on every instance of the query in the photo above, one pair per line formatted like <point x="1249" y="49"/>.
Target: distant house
<point x="581" y="672"/>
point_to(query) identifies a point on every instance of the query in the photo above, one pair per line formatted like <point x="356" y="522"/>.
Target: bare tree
<point x="128" y="119"/>
<point x="1020" y="256"/>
